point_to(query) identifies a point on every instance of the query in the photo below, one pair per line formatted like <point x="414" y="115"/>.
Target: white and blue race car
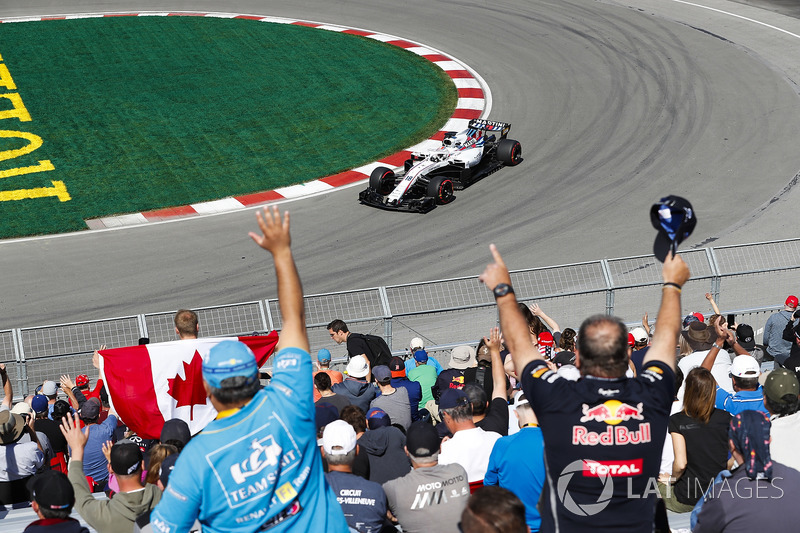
<point x="430" y="178"/>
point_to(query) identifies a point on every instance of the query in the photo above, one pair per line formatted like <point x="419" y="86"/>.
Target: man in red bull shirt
<point x="603" y="433"/>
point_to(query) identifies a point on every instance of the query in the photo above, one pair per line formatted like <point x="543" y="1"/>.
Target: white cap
<point x="518" y="400"/>
<point x="639" y="335"/>
<point x="22" y="408"/>
<point x="358" y="367"/>
<point x="745" y="366"/>
<point x="338" y="434"/>
<point x="416" y="344"/>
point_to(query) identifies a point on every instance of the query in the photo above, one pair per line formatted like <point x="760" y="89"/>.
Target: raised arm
<point x="8" y="393"/>
<point x="710" y="299"/>
<point x="275" y="238"/>
<point x="515" y="329"/>
<point x="498" y="372"/>
<point x="668" y="323"/>
<point x="537" y="311"/>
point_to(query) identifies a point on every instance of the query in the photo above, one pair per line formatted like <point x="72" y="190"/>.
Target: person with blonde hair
<point x="699" y="440"/>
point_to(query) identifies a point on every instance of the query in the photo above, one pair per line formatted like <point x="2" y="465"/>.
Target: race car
<point x="430" y="178"/>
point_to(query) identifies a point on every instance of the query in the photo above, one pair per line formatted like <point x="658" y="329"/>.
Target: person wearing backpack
<point x="374" y="348"/>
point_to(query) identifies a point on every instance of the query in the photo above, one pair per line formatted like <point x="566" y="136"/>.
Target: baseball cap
<point x="744" y="334"/>
<point x="377" y="418"/>
<point x="52" y="490"/>
<point x="82" y="380"/>
<point x="358" y="367"/>
<point x="674" y="218"/>
<point x="382" y="374"/>
<point x="229" y="359"/>
<point x="324" y="355"/>
<point x="416" y="344"/>
<point x="125" y="458"/>
<point x="631" y="340"/>
<point x="324" y="414"/>
<point x="397" y="367"/>
<point x="49" y="388"/>
<point x="745" y="366"/>
<point x="639" y="335"/>
<point x="338" y="438"/>
<point x="175" y="429"/>
<point x="452" y="398"/>
<point x="39" y="403"/>
<point x="791" y="301"/>
<point x="167" y="466"/>
<point x="546" y="338"/>
<point x="421" y="356"/>
<point x="90" y="409"/>
<point x="520" y="399"/>
<point x="462" y="357"/>
<point x="688" y="319"/>
<point x="422" y="439"/>
<point x="22" y="408"/>
<point x="779" y="383"/>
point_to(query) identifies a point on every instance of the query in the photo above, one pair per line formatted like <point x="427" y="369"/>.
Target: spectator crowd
<point x="531" y="428"/>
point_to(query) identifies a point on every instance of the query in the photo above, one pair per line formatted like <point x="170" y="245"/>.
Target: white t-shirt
<point x="471" y="449"/>
<point x="720" y="370"/>
<point x="784" y="434"/>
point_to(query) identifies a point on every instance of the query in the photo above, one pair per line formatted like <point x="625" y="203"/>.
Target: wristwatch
<point x="501" y="289"/>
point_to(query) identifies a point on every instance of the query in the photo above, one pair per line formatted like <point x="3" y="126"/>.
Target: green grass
<point x="144" y="113"/>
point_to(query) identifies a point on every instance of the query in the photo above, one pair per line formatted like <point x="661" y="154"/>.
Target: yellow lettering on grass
<point x="58" y="190"/>
<point x="5" y="78"/>
<point x="34" y="142"/>
<point x="43" y="166"/>
<point x="18" y="110"/>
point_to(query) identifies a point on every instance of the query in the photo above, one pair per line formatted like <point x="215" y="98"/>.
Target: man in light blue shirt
<point x="748" y="394"/>
<point x="257" y="466"/>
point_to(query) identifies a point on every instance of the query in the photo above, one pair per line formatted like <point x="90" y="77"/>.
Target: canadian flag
<point x="150" y="384"/>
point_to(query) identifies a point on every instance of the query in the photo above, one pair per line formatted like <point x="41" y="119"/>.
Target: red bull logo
<point x="611" y="436"/>
<point x="612" y="412"/>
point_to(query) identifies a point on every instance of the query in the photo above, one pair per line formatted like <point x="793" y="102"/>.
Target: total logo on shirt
<point x="611" y="412"/>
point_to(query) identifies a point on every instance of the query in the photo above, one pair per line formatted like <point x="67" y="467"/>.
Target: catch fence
<point x="750" y="280"/>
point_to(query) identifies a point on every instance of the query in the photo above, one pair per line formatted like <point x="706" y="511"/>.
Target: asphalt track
<point x="615" y="103"/>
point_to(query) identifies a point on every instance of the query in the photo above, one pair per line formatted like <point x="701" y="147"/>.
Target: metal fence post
<point x="387" y="315"/>
<point x="142" y="326"/>
<point x="609" y="286"/>
<point x="716" y="279"/>
<point x="22" y="367"/>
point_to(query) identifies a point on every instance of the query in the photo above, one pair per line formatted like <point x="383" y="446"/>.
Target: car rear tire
<point x="441" y="189"/>
<point x="382" y="180"/>
<point x="509" y="152"/>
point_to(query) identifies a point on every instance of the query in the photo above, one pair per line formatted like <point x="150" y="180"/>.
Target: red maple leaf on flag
<point x="189" y="390"/>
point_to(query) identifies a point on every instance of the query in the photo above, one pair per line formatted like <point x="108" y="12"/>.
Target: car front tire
<point x="382" y="180"/>
<point x="441" y="189"/>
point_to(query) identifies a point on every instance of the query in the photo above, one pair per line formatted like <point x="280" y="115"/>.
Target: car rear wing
<point x="490" y="125"/>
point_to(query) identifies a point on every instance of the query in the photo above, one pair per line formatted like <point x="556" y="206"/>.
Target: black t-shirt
<point x="706" y="452"/>
<point x="482" y="375"/>
<point x="603" y="439"/>
<point x="53" y="433"/>
<point x="496" y="418"/>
